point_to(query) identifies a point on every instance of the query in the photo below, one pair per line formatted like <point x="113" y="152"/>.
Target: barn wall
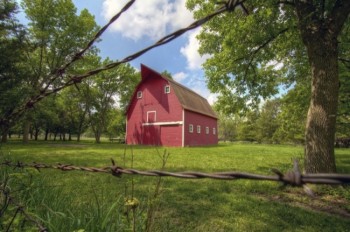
<point x="199" y="139"/>
<point x="154" y="107"/>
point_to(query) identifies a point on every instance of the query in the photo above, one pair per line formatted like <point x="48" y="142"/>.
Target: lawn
<point x="85" y="201"/>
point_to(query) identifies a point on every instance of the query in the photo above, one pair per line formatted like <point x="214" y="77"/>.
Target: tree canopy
<point x="31" y="58"/>
<point x="276" y="44"/>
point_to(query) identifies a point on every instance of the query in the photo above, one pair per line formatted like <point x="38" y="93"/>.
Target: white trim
<point x="155" y="115"/>
<point x="139" y="94"/>
<point x="126" y="128"/>
<point x="199" y="129"/>
<point x="162" y="123"/>
<point x="189" y="128"/>
<point x="183" y="128"/>
<point x="207" y="130"/>
<point x="165" y="88"/>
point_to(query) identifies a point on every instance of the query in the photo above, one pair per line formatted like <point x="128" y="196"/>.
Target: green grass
<point x="69" y="201"/>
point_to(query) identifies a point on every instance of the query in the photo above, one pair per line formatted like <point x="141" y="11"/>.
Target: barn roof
<point x="189" y="99"/>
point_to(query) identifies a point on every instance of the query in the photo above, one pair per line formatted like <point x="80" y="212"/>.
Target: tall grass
<point x="72" y="201"/>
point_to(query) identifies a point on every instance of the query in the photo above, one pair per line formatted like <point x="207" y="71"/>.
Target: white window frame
<point x="198" y="129"/>
<point x="190" y="128"/>
<point x="207" y="130"/>
<point x="139" y="94"/>
<point x="155" y="115"/>
<point x="214" y="131"/>
<point x="167" y="89"/>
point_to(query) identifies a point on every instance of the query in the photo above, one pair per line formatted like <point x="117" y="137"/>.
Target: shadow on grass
<point x="232" y="206"/>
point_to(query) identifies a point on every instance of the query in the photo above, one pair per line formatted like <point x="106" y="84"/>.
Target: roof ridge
<point x="177" y="83"/>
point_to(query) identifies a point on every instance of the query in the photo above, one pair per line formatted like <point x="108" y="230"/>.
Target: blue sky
<point x="142" y="25"/>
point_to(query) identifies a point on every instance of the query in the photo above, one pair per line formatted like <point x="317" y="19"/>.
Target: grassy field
<point x="83" y="201"/>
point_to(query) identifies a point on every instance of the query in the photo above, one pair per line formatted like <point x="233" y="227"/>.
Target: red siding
<point x="156" y="107"/>
<point x="197" y="139"/>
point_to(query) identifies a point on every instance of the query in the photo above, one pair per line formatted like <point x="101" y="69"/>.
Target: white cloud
<point x="180" y="76"/>
<point x="149" y="18"/>
<point x="212" y="98"/>
<point x="190" y="51"/>
<point x="276" y="65"/>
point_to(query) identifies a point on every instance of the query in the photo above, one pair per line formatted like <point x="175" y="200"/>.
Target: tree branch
<point x="291" y="3"/>
<point x="252" y="54"/>
<point x="74" y="79"/>
<point x="339" y="14"/>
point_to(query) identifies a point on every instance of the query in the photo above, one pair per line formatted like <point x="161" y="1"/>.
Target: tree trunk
<point x="4" y="135"/>
<point x="36" y="134"/>
<point x="26" y="128"/>
<point x="46" y="133"/>
<point x="78" y="137"/>
<point x="319" y="31"/>
<point x="31" y="133"/>
<point x="321" y="118"/>
<point x="97" y="133"/>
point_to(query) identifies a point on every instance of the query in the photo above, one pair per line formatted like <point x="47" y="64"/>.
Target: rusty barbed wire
<point x="80" y="54"/>
<point x="229" y="6"/>
<point x="293" y="177"/>
<point x="8" y="199"/>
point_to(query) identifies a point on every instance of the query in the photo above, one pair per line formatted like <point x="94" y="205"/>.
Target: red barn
<point x="163" y="112"/>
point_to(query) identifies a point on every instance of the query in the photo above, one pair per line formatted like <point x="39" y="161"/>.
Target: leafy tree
<point x="166" y="74"/>
<point x="228" y="125"/>
<point x="248" y="50"/>
<point x="343" y="119"/>
<point x="103" y="93"/>
<point x="56" y="32"/>
<point x="12" y="74"/>
<point x="247" y="128"/>
<point x="267" y="123"/>
<point x="116" y="126"/>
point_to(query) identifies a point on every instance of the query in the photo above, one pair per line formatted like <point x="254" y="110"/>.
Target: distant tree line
<point x="282" y="120"/>
<point x="30" y="53"/>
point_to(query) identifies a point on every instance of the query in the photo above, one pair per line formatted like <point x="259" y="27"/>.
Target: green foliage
<point x="117" y="83"/>
<point x="117" y="125"/>
<point x="166" y="74"/>
<point x="294" y="106"/>
<point x="267" y="123"/>
<point x="228" y="126"/>
<point x="56" y="32"/>
<point x="254" y="56"/>
<point x="12" y="55"/>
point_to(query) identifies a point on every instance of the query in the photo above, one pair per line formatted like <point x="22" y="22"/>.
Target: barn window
<point x="207" y="130"/>
<point x="139" y="94"/>
<point x="190" y="128"/>
<point x="167" y="89"/>
<point x="198" y="129"/>
<point x="214" y="131"/>
<point x="151" y="116"/>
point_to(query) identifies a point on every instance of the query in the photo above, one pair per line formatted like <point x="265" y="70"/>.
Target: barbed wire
<point x="293" y="177"/>
<point x="8" y="199"/>
<point x="229" y="6"/>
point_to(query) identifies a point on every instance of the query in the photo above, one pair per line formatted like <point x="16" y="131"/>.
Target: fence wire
<point x="290" y="178"/>
<point x="293" y="177"/>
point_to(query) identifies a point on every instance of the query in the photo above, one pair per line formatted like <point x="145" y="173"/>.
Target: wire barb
<point x="115" y="169"/>
<point x="291" y="178"/>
